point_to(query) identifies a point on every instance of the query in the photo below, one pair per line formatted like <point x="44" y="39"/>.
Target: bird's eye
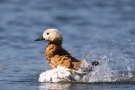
<point x="47" y="33"/>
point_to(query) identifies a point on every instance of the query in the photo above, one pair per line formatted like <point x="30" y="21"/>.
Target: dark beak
<point x="40" y="39"/>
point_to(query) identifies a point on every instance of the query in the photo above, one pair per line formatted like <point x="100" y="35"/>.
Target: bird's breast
<point x="51" y="51"/>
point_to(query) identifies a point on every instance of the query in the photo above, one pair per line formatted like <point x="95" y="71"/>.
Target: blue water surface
<point x="96" y="27"/>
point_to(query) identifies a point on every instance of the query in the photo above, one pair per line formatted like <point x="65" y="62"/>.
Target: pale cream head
<point x="52" y="35"/>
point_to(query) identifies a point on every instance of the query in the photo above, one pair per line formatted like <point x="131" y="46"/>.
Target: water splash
<point x="101" y="73"/>
<point x="129" y="72"/>
<point x="58" y="74"/>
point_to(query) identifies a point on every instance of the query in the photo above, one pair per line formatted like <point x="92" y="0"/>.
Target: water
<point x="103" y="29"/>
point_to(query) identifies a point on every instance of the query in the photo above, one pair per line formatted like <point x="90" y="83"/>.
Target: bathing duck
<point x="56" y="55"/>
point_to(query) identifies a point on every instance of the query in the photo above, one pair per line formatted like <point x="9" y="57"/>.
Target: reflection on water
<point x="56" y="86"/>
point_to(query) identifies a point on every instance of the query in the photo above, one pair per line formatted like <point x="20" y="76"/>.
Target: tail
<point x="95" y="63"/>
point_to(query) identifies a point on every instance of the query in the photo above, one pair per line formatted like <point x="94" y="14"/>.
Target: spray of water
<point x="100" y="73"/>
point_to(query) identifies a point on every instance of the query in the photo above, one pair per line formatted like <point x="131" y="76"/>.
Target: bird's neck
<point x="52" y="49"/>
<point x="55" y="43"/>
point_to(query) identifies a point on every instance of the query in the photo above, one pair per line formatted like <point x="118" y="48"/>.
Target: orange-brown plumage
<point x="57" y="56"/>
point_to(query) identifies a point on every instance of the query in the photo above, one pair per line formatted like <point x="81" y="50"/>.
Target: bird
<point x="56" y="55"/>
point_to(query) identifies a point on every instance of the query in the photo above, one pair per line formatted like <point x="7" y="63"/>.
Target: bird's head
<point x="51" y="35"/>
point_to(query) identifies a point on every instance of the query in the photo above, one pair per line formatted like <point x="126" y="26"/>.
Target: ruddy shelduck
<point x="56" y="55"/>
